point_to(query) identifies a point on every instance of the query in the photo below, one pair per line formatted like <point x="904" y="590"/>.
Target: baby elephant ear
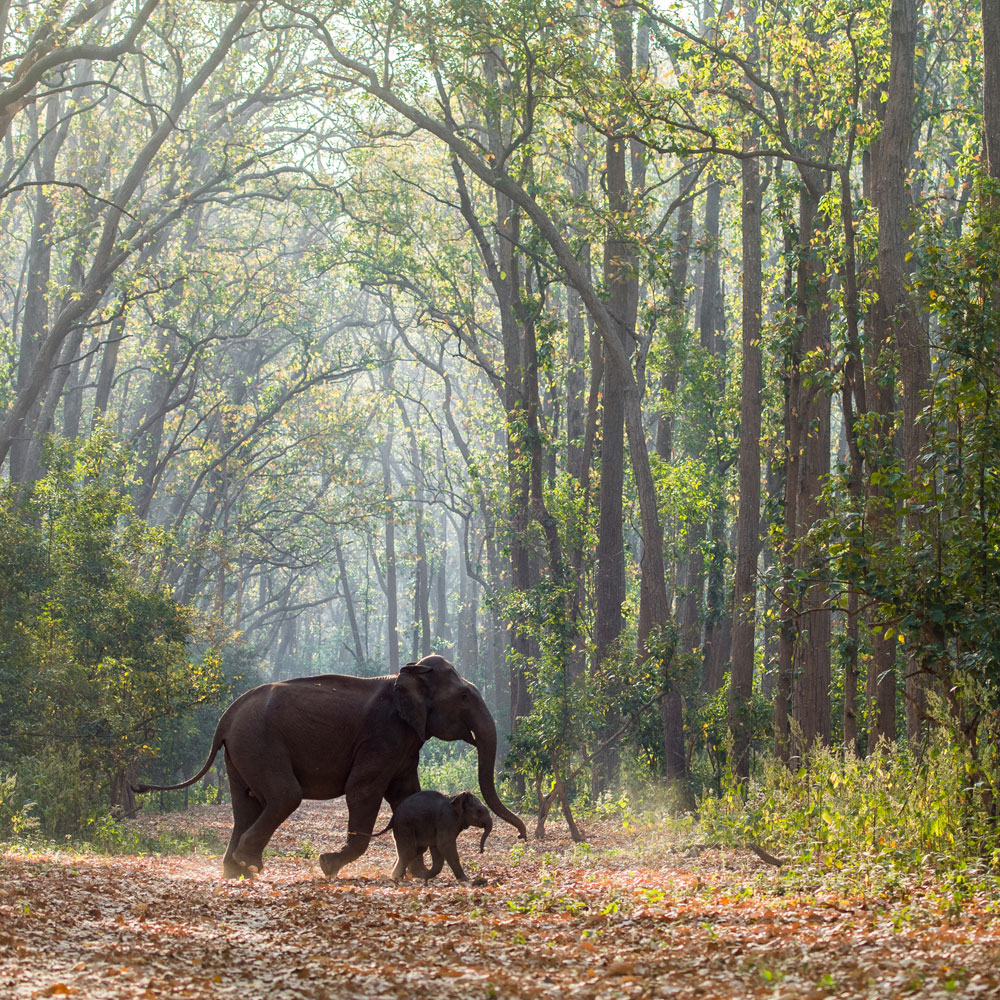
<point x="458" y="803"/>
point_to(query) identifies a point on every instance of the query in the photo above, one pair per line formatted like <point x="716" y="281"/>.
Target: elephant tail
<point x="216" y="745"/>
<point x="385" y="829"/>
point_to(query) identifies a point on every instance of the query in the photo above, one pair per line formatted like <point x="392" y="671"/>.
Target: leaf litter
<point x="628" y="915"/>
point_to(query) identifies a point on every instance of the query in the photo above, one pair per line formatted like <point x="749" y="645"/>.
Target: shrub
<point x="16" y="817"/>
<point x="843" y="812"/>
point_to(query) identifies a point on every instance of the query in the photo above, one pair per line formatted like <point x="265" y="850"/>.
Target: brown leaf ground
<point x="629" y="916"/>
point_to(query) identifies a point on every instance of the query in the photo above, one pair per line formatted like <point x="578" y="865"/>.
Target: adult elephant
<point x="321" y="737"/>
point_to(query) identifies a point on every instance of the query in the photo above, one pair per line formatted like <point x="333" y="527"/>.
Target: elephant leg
<point x="437" y="862"/>
<point x="402" y="787"/>
<point x="409" y="855"/>
<point x="399" y="870"/>
<point x="281" y="795"/>
<point x="246" y="810"/>
<point x="450" y="851"/>
<point x="362" y="811"/>
<point x="417" y="869"/>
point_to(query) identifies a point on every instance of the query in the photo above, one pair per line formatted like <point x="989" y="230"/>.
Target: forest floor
<point x="630" y="914"/>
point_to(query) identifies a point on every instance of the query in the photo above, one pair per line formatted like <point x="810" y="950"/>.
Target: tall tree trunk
<point x="718" y="637"/>
<point x="34" y="322"/>
<point x="676" y="337"/>
<point x="991" y="87"/>
<point x="73" y="396"/>
<point x="621" y="282"/>
<point x="854" y="400"/>
<point x="811" y="683"/>
<point x="896" y="314"/>
<point x="352" y="618"/>
<point x="109" y="363"/>
<point x="576" y="361"/>
<point x="880" y="368"/>
<point x="442" y="627"/>
<point x="788" y="623"/>
<point x="581" y="417"/>
<point x="748" y="513"/>
<point x="55" y="390"/>
<point x="523" y="567"/>
<point x="421" y="574"/>
<point x="676" y="318"/>
<point x="391" y="584"/>
<point x="501" y="258"/>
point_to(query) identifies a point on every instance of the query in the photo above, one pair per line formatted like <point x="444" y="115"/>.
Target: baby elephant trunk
<point x="487" y="830"/>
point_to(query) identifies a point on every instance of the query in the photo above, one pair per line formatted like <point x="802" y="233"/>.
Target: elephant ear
<point x="458" y="804"/>
<point x="409" y="697"/>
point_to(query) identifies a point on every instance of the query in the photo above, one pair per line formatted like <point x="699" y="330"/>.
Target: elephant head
<point x="435" y="700"/>
<point x="469" y="811"/>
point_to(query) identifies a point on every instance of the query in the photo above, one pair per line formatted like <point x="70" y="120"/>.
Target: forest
<point x="637" y="357"/>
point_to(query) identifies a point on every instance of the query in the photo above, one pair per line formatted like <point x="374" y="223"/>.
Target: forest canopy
<point x="640" y="358"/>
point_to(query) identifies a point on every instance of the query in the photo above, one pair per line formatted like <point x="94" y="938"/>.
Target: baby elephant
<point x="430" y="819"/>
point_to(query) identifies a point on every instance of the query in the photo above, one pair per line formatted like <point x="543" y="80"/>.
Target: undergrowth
<point x="889" y="811"/>
<point x="105" y="834"/>
<point x="102" y="834"/>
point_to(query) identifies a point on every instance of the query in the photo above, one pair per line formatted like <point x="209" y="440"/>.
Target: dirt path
<point x="626" y="916"/>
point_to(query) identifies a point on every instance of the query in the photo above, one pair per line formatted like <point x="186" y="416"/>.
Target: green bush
<point x="16" y="811"/>
<point x="63" y="791"/>
<point x="106" y="834"/>
<point x="842" y="812"/>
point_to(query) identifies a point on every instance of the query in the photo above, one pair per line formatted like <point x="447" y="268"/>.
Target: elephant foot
<point x="237" y="866"/>
<point x="479" y="881"/>
<point x="230" y="869"/>
<point x="330" y="864"/>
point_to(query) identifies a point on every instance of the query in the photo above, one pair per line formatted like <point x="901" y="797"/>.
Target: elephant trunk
<point x="485" y="733"/>
<point x="487" y="830"/>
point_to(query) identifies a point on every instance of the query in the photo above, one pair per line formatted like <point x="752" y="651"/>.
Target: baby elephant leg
<point x="448" y="849"/>
<point x="408" y="855"/>
<point x="417" y="868"/>
<point x="437" y="862"/>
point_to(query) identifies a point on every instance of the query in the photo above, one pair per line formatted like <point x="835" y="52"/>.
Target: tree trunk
<point x="896" y="313"/>
<point x="622" y="285"/>
<point x="109" y="363"/>
<point x="421" y="574"/>
<point x="676" y="319"/>
<point x="34" y="323"/>
<point x="442" y="627"/>
<point x="621" y="282"/>
<point x="788" y="623"/>
<point x="352" y="618"/>
<point x="748" y="513"/>
<point x="716" y="644"/>
<point x="581" y="419"/>
<point x="811" y="671"/>
<point x="854" y="400"/>
<point x="391" y="584"/>
<point x="991" y="87"/>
